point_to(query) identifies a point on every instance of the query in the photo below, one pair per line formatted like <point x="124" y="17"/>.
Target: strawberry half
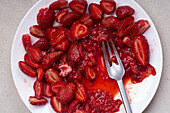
<point x="63" y="58"/>
<point x="65" y="69"/>
<point x="26" y="40"/>
<point x="50" y="32"/>
<point x="60" y="4"/>
<point x="81" y="93"/>
<point x="55" y="87"/>
<point x="37" y="31"/>
<point x="63" y="46"/>
<point x="56" y="105"/>
<point x="127" y="41"/>
<point x="90" y="73"/>
<point x="140" y="47"/>
<point x="58" y="38"/>
<point x="42" y="43"/>
<point x="86" y="20"/>
<point x="73" y="105"/>
<point x="35" y="101"/>
<point x="60" y="15"/>
<point x="110" y="22"/>
<point x="40" y="73"/>
<point x="124" y="11"/>
<point x="29" y="62"/>
<point x="38" y="89"/>
<point x="47" y="91"/>
<point x="79" y="31"/>
<point x="73" y="53"/>
<point x="108" y="6"/>
<point x="95" y="11"/>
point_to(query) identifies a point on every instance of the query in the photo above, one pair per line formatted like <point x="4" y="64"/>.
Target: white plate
<point x="139" y="94"/>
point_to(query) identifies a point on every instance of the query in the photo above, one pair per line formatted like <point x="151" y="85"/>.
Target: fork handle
<point x="124" y="96"/>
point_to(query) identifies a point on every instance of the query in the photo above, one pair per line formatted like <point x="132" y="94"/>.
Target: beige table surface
<point x="11" y="13"/>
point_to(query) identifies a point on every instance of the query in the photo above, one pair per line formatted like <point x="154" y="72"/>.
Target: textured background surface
<point x="11" y="13"/>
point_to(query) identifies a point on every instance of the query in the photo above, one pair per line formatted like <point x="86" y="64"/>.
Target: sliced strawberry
<point x="38" y="89"/>
<point x="26" y="40"/>
<point x="139" y="28"/>
<point x="57" y="86"/>
<point x="86" y="20"/>
<point x="95" y="11"/>
<point x="65" y="69"/>
<point x="123" y="11"/>
<point x="63" y="46"/>
<point x="42" y="43"/>
<point x="101" y="64"/>
<point x="40" y="73"/>
<point x="63" y="58"/>
<point x="44" y="53"/>
<point x="45" y="18"/>
<point x="108" y="6"/>
<point x="73" y="105"/>
<point x="56" y="105"/>
<point x="79" y="31"/>
<point x="47" y="91"/>
<point x="60" y="4"/>
<point x="110" y="22"/>
<point x="140" y="47"/>
<point x="37" y="31"/>
<point x="35" y="101"/>
<point x="78" y="7"/>
<point x="66" y="93"/>
<point x="50" y="32"/>
<point x="127" y="41"/>
<point x="80" y="48"/>
<point x="50" y="58"/>
<point x="125" y="26"/>
<point x="52" y="76"/>
<point x="26" y="69"/>
<point x="90" y="73"/>
<point x="29" y="62"/>
<point x="34" y="53"/>
<point x="59" y="16"/>
<point x="69" y="19"/>
<point x="58" y="38"/>
<point x="81" y="93"/>
<point x="73" y="53"/>
<point x="67" y="33"/>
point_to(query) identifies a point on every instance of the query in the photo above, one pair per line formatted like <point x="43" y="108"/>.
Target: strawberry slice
<point x="26" y="69"/>
<point x="47" y="91"/>
<point x="124" y="11"/>
<point x="108" y="6"/>
<point x="50" y="58"/>
<point x="95" y="11"/>
<point x="29" y="62"/>
<point x="63" y="58"/>
<point x="73" y="105"/>
<point x="40" y="73"/>
<point x="65" y="69"/>
<point x="73" y="53"/>
<point x="42" y="43"/>
<point x="140" y="47"/>
<point x="66" y="93"/>
<point x="34" y="53"/>
<point x="127" y="41"/>
<point x="59" y="16"/>
<point x="86" y="20"/>
<point x="78" y="7"/>
<point x="67" y="33"/>
<point x="69" y="19"/>
<point x="26" y="40"/>
<point x="81" y="51"/>
<point x="60" y="4"/>
<point x="56" y="105"/>
<point x="81" y="93"/>
<point x="50" y="32"/>
<point x="55" y="87"/>
<point x="52" y="76"/>
<point x="45" y="18"/>
<point x="37" y="31"/>
<point x="139" y="28"/>
<point x="79" y="31"/>
<point x="63" y="46"/>
<point x="38" y="89"/>
<point x="44" y="53"/>
<point x="110" y="22"/>
<point x="90" y="73"/>
<point x="58" y="38"/>
<point x="35" y="101"/>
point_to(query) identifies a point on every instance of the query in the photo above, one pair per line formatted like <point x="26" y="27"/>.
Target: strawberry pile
<point x="67" y="59"/>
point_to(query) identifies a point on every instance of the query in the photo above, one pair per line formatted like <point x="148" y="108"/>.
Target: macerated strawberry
<point x="40" y="73"/>
<point x="38" y="89"/>
<point x="47" y="91"/>
<point x="81" y="93"/>
<point x="50" y="32"/>
<point x="140" y="47"/>
<point x="86" y="20"/>
<point x="73" y="105"/>
<point x="67" y="33"/>
<point x="56" y="105"/>
<point x="108" y="6"/>
<point x="29" y="62"/>
<point x="123" y="11"/>
<point x="81" y="51"/>
<point x="34" y="53"/>
<point x="127" y="41"/>
<point x="44" y="53"/>
<point x="90" y="73"/>
<point x="26" y="40"/>
<point x="34" y="101"/>
<point x="139" y="28"/>
<point x="26" y="69"/>
<point x="55" y="66"/>
<point x="80" y="111"/>
<point x="37" y="31"/>
<point x="91" y="58"/>
<point x="55" y="87"/>
<point x="73" y="53"/>
<point x="79" y="31"/>
<point x="58" y="38"/>
<point x="63" y="58"/>
<point x="110" y="22"/>
<point x="59" y="16"/>
<point x="50" y="58"/>
<point x="69" y="19"/>
<point x="78" y="7"/>
<point x="60" y="4"/>
<point x="63" y="46"/>
<point x="66" y="93"/>
<point x="52" y="76"/>
<point x="95" y="11"/>
<point x="101" y="38"/>
<point x="75" y="75"/>
<point x="65" y="69"/>
<point x="42" y="43"/>
<point x="125" y="26"/>
<point x="45" y="18"/>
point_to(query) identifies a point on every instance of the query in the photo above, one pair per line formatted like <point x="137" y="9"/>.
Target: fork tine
<point x="109" y="49"/>
<point x="105" y="56"/>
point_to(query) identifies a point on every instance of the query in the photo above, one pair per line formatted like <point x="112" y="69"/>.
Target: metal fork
<point x="116" y="71"/>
